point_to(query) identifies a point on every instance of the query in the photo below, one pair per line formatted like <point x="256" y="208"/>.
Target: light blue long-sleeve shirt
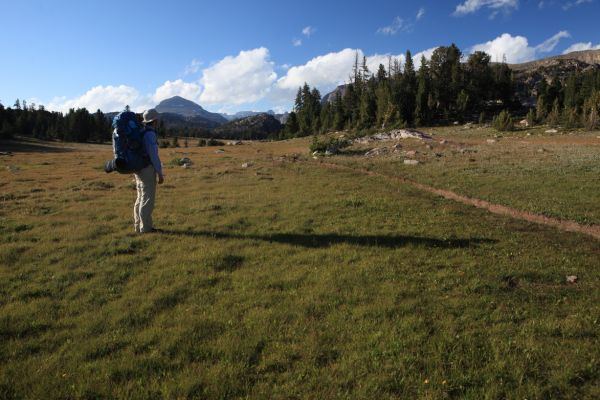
<point x="151" y="144"/>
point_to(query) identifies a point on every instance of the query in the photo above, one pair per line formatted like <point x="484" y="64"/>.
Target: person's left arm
<point x="152" y="150"/>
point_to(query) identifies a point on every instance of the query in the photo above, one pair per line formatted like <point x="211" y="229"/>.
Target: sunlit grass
<point x="284" y="280"/>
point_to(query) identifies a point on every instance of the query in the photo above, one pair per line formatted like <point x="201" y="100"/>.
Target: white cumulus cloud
<point x="420" y="13"/>
<point x="516" y="49"/>
<point x="244" y="78"/>
<point x="326" y="70"/>
<point x="105" y="98"/>
<point x="471" y="6"/>
<point x="329" y="70"/>
<point x="187" y="90"/>
<point x="581" y="46"/>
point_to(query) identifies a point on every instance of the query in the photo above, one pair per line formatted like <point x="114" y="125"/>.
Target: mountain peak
<point x="187" y="108"/>
<point x="179" y="105"/>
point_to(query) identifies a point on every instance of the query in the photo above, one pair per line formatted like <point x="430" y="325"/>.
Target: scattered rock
<point x="411" y="162"/>
<point x="551" y="131"/>
<point x="528" y="134"/>
<point x="247" y="165"/>
<point x="395" y="134"/>
<point x="235" y="143"/>
<point x="542" y="150"/>
<point x="376" y="152"/>
<point x="491" y="141"/>
<point x="524" y="123"/>
<point x="5" y="153"/>
<point x="444" y="141"/>
<point x="185" y="166"/>
<point x="397" y="147"/>
<point x="456" y="123"/>
<point x="220" y="151"/>
<point x="410" y="153"/>
<point x="572" y="279"/>
<point x="429" y="147"/>
<point x="438" y="155"/>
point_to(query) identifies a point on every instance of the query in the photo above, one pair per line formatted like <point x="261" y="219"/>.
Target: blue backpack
<point x="128" y="145"/>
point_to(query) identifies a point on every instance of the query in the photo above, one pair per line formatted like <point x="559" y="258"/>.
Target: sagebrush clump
<point x="503" y="122"/>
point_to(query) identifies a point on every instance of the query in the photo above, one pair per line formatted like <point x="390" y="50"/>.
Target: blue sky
<point x="252" y="55"/>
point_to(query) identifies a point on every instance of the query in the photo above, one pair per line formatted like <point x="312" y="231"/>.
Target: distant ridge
<point x="244" y="114"/>
<point x="590" y="57"/>
<point x="188" y="109"/>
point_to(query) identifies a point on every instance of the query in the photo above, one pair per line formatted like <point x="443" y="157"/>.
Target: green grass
<point x="552" y="174"/>
<point x="283" y="280"/>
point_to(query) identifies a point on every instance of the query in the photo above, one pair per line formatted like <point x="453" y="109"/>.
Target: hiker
<point x="145" y="178"/>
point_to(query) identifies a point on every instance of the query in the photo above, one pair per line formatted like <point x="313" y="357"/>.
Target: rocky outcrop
<point x="330" y="97"/>
<point x="260" y="126"/>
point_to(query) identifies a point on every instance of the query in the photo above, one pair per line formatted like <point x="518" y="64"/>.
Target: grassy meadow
<point x="288" y="280"/>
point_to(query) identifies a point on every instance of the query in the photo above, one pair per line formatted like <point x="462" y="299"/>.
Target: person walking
<point x="145" y="179"/>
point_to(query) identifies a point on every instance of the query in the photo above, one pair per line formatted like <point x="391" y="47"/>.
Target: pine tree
<point x="531" y="119"/>
<point x="541" y="112"/>
<point x="422" y="109"/>
<point x="553" y="118"/>
<point x="339" y="115"/>
<point x="368" y="110"/>
<point x="591" y="111"/>
<point x="381" y="74"/>
<point x="292" y="128"/>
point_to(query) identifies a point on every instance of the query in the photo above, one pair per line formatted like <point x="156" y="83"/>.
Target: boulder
<point x="411" y="162"/>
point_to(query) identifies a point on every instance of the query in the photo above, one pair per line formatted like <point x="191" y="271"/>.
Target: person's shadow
<point x="313" y="240"/>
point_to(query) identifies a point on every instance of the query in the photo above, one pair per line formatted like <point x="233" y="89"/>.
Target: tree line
<point x="443" y="90"/>
<point x="77" y="125"/>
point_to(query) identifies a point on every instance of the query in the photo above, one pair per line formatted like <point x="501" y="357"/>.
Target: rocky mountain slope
<point x="576" y="59"/>
<point x="331" y="96"/>
<point x="244" y="114"/>
<point x="261" y="126"/>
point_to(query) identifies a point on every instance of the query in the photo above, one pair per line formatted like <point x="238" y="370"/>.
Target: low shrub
<point x="328" y="144"/>
<point x="503" y="122"/>
<point x="214" y="142"/>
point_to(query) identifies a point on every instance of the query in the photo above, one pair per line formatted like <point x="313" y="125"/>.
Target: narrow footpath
<point x="565" y="225"/>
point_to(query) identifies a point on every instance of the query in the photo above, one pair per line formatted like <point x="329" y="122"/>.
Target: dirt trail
<point x="565" y="225"/>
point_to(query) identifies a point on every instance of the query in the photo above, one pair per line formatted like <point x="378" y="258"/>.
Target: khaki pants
<point x="145" y="181"/>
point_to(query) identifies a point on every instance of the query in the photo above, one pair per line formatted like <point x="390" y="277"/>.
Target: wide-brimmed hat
<point x="150" y="115"/>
